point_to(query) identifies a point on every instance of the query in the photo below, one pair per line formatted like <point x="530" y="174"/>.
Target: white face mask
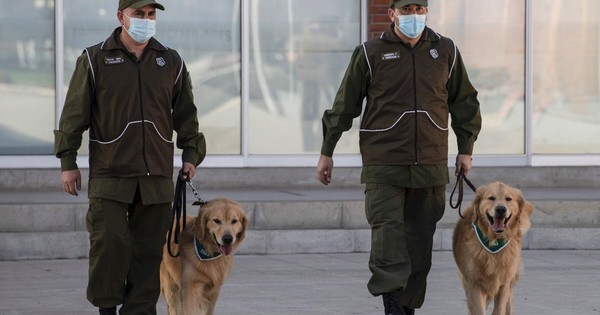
<point x="411" y="25"/>
<point x="141" y="30"/>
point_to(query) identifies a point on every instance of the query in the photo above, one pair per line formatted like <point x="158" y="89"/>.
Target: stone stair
<point x="289" y="212"/>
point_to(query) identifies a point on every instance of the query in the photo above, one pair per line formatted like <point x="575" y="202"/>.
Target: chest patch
<point x="160" y="61"/>
<point x="390" y="56"/>
<point x="113" y="60"/>
<point x="434" y="53"/>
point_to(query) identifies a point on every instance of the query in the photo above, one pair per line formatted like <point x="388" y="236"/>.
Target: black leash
<point x="179" y="211"/>
<point x="459" y="183"/>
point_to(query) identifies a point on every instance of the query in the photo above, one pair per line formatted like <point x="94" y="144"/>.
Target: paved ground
<point x="554" y="282"/>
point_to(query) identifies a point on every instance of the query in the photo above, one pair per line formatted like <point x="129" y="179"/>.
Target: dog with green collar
<point x="191" y="281"/>
<point x="486" y="245"/>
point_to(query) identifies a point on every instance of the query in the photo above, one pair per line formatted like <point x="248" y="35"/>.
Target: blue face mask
<point x="141" y="30"/>
<point x="411" y="25"/>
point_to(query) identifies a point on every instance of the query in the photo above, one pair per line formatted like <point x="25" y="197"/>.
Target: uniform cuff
<point x="68" y="163"/>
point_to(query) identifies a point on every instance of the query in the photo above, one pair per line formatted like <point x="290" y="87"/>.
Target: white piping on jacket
<point x="91" y="65"/>
<point x="397" y="120"/>
<point x="126" y="127"/>
<point x="180" y="69"/>
<point x="367" y="58"/>
<point x="453" y="61"/>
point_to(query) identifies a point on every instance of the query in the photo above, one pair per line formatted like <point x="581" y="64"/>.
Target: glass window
<point x="298" y="55"/>
<point x="566" y="77"/>
<point x="27" y="110"/>
<point x="491" y="38"/>
<point x="207" y="35"/>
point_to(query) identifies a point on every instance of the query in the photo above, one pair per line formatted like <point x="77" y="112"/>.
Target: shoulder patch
<point x="390" y="55"/>
<point x="113" y="60"/>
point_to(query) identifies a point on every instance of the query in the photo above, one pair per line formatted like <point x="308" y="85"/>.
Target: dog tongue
<point x="498" y="225"/>
<point x="225" y="250"/>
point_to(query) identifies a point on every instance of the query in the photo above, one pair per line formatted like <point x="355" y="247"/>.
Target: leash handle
<point x="179" y="211"/>
<point x="459" y="183"/>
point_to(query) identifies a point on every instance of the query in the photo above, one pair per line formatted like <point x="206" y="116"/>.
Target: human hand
<point x="463" y="164"/>
<point x="324" y="169"/>
<point x="187" y="171"/>
<point x="71" y="181"/>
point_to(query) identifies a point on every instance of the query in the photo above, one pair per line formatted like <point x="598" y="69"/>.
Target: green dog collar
<point x="494" y="246"/>
<point x="203" y="253"/>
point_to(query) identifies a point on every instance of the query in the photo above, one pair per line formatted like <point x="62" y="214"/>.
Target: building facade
<point x="264" y="71"/>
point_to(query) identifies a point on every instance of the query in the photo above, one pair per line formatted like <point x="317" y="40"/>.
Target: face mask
<point x="141" y="29"/>
<point x="411" y="25"/>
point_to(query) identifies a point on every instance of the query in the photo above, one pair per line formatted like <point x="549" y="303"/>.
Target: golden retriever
<point x="191" y="283"/>
<point x="487" y="247"/>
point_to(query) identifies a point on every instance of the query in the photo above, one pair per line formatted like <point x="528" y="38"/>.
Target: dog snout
<point x="500" y="211"/>
<point x="227" y="239"/>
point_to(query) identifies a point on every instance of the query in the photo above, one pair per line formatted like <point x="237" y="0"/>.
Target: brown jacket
<point x="410" y="94"/>
<point x="131" y="108"/>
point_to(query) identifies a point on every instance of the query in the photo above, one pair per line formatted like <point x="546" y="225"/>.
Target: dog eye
<point x="217" y="221"/>
<point x="234" y="221"/>
<point x="492" y="198"/>
<point x="509" y="199"/>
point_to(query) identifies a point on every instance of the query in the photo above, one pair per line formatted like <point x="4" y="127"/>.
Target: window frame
<point x="307" y="160"/>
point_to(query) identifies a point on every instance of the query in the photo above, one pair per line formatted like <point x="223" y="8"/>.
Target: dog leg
<point x="171" y="293"/>
<point x="503" y="301"/>
<point x="194" y="301"/>
<point x="212" y="301"/>
<point x="190" y="304"/>
<point x="476" y="302"/>
<point x="509" y="304"/>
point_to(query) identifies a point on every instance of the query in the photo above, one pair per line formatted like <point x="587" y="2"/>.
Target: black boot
<point x="408" y="311"/>
<point x="108" y="310"/>
<point x="391" y="306"/>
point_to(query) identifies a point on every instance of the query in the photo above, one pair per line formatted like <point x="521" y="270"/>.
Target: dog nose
<point x="227" y="239"/>
<point x="500" y="211"/>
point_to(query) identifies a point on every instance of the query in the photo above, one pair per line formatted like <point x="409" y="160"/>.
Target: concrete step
<point x="51" y="224"/>
<point x="305" y="177"/>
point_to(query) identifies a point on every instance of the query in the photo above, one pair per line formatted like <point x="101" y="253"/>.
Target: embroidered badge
<point x="390" y="56"/>
<point x="160" y="61"/>
<point x="113" y="60"/>
<point x="434" y="53"/>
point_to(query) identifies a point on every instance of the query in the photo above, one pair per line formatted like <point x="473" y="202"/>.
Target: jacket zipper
<point x="415" y="105"/>
<point x="143" y="118"/>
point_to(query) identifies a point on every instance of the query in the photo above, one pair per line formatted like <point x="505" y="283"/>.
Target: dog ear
<point x="242" y="233"/>
<point x="525" y="211"/>
<point x="477" y="202"/>
<point x="202" y="227"/>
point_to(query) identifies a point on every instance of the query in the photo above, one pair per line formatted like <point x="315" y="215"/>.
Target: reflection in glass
<point x="207" y="34"/>
<point x="491" y="39"/>
<point x="298" y="56"/>
<point x="27" y="109"/>
<point x="566" y="74"/>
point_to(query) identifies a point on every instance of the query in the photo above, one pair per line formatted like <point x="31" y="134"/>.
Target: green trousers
<point x="403" y="221"/>
<point x="126" y="243"/>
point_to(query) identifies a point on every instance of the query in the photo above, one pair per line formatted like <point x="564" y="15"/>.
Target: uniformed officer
<point x="131" y="92"/>
<point x="413" y="79"/>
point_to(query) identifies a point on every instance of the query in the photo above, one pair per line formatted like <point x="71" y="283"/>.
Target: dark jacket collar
<point x="114" y="42"/>
<point x="428" y="35"/>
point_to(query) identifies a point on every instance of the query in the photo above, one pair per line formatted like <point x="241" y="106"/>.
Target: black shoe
<point x="408" y="311"/>
<point x="391" y="306"/>
<point x="108" y="310"/>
